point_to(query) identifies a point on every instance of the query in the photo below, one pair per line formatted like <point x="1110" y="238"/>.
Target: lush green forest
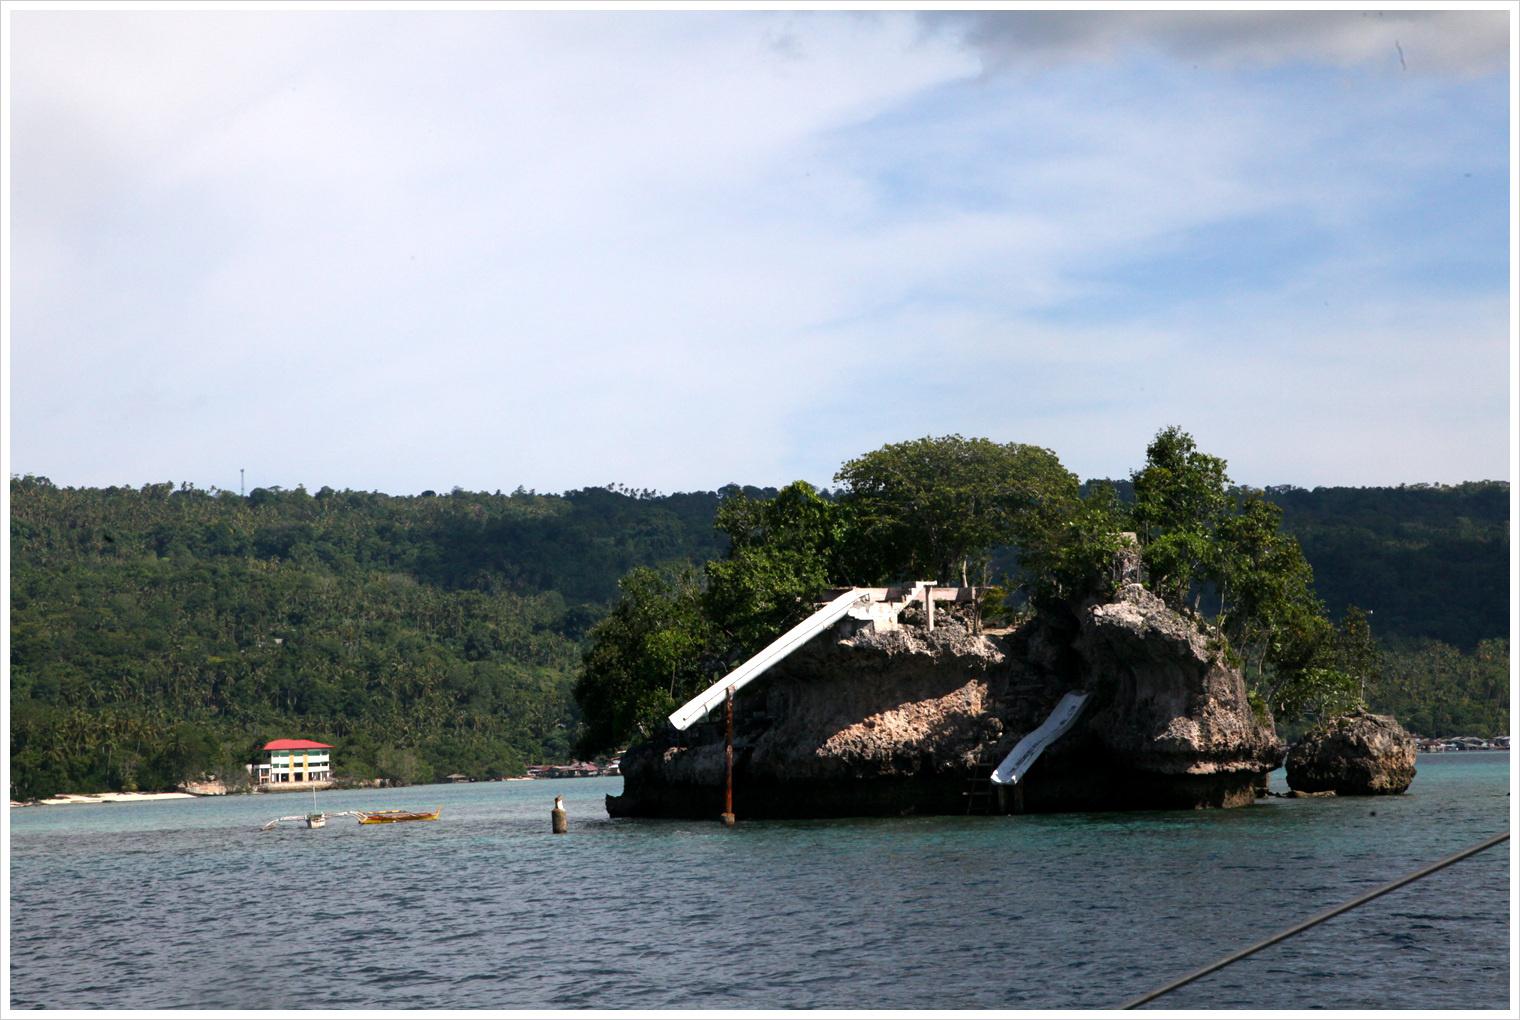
<point x="162" y="632"/>
<point x="1430" y="564"/>
<point x="1437" y="690"/>
<point x="1427" y="561"/>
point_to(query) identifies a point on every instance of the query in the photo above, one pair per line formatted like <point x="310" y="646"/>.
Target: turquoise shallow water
<point x="185" y="904"/>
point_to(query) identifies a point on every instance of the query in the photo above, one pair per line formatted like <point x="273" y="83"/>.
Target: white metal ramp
<point x="879" y="607"/>
<point x="767" y="657"/>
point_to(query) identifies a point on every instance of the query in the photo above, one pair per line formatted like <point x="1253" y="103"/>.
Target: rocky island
<point x="899" y="719"/>
<point x="1357" y="754"/>
<point x="1118" y="685"/>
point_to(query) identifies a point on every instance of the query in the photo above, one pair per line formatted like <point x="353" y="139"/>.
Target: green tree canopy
<point x="944" y="503"/>
<point x="677" y="630"/>
<point x="1199" y="534"/>
<point x="782" y="552"/>
<point x="651" y="650"/>
<point x="1180" y="497"/>
<point x="1077" y="557"/>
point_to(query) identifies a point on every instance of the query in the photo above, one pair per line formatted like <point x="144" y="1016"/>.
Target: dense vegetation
<point x="1427" y="561"/>
<point x="1437" y="690"/>
<point x="162" y="632"/>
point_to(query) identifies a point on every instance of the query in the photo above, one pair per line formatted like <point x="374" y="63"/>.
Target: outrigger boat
<point x="314" y="819"/>
<point x="317" y="819"/>
<point x="376" y="817"/>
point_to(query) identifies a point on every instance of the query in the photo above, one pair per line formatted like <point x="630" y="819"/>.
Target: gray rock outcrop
<point x="1169" y="703"/>
<point x="894" y="722"/>
<point x="1358" y="754"/>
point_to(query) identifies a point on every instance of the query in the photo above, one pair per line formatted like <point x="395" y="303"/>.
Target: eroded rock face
<point x="878" y="723"/>
<point x="893" y="704"/>
<point x="894" y="722"/>
<point x="1359" y="754"/>
<point x="1169" y="704"/>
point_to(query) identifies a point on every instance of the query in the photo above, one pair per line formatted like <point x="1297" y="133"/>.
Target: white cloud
<point x="408" y="251"/>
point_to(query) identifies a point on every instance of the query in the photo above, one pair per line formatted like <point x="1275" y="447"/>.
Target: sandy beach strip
<point x="103" y="798"/>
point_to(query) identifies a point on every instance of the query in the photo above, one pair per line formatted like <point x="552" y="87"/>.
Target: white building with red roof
<point x="296" y="761"/>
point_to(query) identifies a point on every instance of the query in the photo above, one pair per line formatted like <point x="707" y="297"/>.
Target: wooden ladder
<point x="994" y="799"/>
<point x="980" y="789"/>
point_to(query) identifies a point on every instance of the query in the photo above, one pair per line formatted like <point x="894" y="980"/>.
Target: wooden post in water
<point x="728" y="761"/>
<point x="558" y="819"/>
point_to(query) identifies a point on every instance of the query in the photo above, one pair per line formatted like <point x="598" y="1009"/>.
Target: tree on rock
<point x="1200" y="534"/>
<point x="782" y="552"/>
<point x="1181" y="496"/>
<point x="652" y="652"/>
<point x="946" y="502"/>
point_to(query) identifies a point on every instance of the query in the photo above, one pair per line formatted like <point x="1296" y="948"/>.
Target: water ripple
<point x="185" y="905"/>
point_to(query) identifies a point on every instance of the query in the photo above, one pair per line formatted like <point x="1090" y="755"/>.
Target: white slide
<point x="1022" y="756"/>
<point x="763" y="660"/>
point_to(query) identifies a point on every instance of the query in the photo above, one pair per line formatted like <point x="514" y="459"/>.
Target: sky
<point x="401" y="250"/>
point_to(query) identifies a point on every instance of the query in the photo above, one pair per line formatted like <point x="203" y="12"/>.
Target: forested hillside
<point x="166" y="631"/>
<point x="1428" y="562"/>
<point x="161" y="632"/>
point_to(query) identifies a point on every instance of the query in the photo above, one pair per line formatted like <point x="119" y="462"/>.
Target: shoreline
<point x="101" y="798"/>
<point x="204" y="790"/>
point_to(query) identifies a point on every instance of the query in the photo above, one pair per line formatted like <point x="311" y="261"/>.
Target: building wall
<point x="296" y="766"/>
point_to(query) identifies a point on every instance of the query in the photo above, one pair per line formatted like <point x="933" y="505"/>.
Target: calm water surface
<point x="185" y="904"/>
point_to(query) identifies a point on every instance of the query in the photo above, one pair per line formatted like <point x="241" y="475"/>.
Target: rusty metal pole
<point x="728" y="761"/>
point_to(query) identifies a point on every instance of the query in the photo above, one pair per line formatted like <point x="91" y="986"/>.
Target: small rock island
<point x="1357" y="754"/>
<point x="896" y="720"/>
<point x="1120" y="684"/>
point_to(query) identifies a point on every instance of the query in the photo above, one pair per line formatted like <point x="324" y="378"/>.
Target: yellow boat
<point x="376" y="817"/>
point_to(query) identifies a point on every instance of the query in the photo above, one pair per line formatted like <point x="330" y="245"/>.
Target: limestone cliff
<point x="895" y="721"/>
<point x="1168" y="703"/>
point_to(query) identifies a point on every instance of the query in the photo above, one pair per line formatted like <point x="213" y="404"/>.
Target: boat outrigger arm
<point x="878" y="605"/>
<point x="317" y="820"/>
<point x="313" y="820"/>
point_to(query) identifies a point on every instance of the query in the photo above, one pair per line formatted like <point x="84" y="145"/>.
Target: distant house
<point x="296" y="761"/>
<point x="577" y="770"/>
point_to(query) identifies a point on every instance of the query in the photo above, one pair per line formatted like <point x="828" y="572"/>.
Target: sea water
<point x="186" y="904"/>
